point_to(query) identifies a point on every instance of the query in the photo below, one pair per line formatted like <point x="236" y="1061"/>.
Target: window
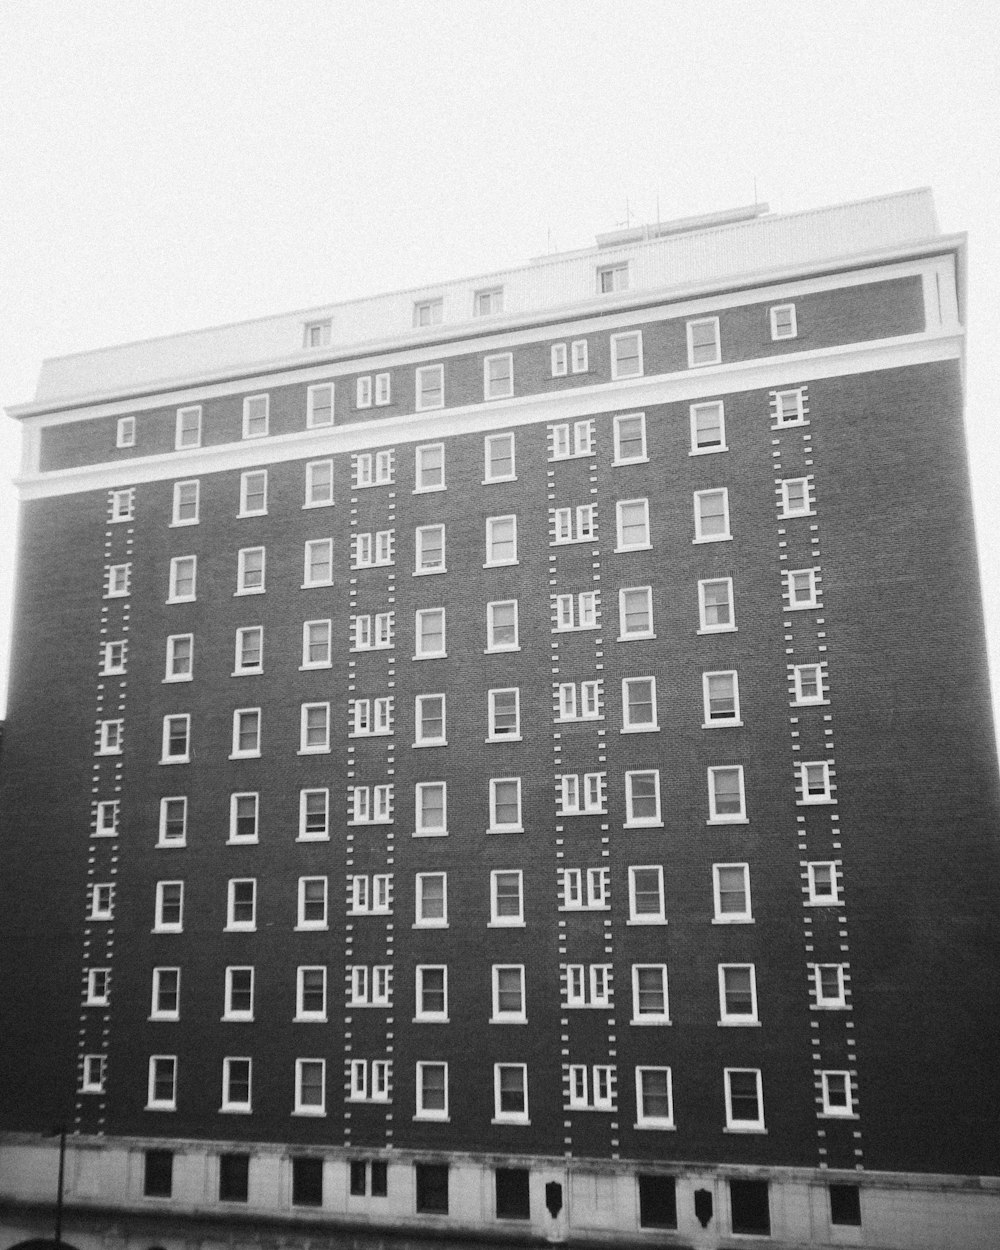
<point x="102" y="901"/>
<point x="428" y="312"/>
<point x="642" y="799"/>
<point x="246" y="733"/>
<point x="587" y="986"/>
<point x="845" y="1204"/>
<point x="815" y="783"/>
<point x="316" y="334"/>
<point x="708" y="428"/>
<point x="431" y="801"/>
<point x="585" y="890"/>
<point x="429" y="467"/>
<point x="158" y="1174"/>
<point x="737" y="994"/>
<point x="234" y="1177"/>
<point x="316" y="644"/>
<point x="314" y="728"/>
<point x="796" y="497"/>
<point x="113" y="656"/>
<point x="578" y="796"/>
<point x="244" y="814"/>
<point x="429" y="633"/>
<point x="626" y="355"/>
<point x="630" y="439"/>
<point x="176" y="740"/>
<point x="312" y="903"/>
<point x="371" y="805"/>
<point x="721" y="699"/>
<point x="364" y="638"/>
<point x="374" y="1090"/>
<point x="310" y="1087"/>
<point x="558" y="360"/>
<point x="241" y="908"/>
<point x="430" y="387"/>
<point x="166" y="994"/>
<point x="823" y="884"/>
<point x="508" y="994"/>
<point x="432" y="1188"/>
<point x="726" y="802"/>
<point x="830" y="985"/>
<point x="111" y="737"/>
<point x="810" y="683"/>
<point x="432" y="1092"/>
<point x="581" y="702"/>
<point x="123" y="505"/>
<point x="429" y="717"/>
<point x="510" y="1093"/>
<point x="98" y="987"/>
<point x="188" y="429"/>
<point x="501" y="626"/>
<point x="173" y="822"/>
<point x="488" y="303"/>
<point x="612" y="278"/>
<point x="371" y="987"/>
<point x="731" y="893"/>
<point x="639" y="705"/>
<point x="633" y="524"/>
<point x="314" y="815"/>
<point x="789" y="407"/>
<point x="371" y="550"/>
<point x="180" y="656"/>
<point x="318" y="563"/>
<point x="253" y="493"/>
<point x="363" y="395"/>
<point x="715" y="606"/>
<point x="186" y="496"/>
<point x="645" y="895"/>
<point x="750" y="1208"/>
<point x="118" y="580"/>
<point x="501" y="540"/>
<point x="592" y="1089"/>
<point x="505" y="805"/>
<point x="249" y="650"/>
<point x="374" y="470"/>
<point x="576" y="611"/>
<point x="370" y="717"/>
<point x="126" y="432"/>
<point x="236" y="1085"/>
<point x="654" y="1098"/>
<point x="703" y="342"/>
<point x="162" y="1088"/>
<point x="802" y="589"/>
<point x="431" y="900"/>
<point x="250" y="571"/>
<point x="513" y="1193"/>
<point x="657" y="1199"/>
<point x="255" y="416"/>
<point x="319" y="484"/>
<point x="504" y="715"/>
<point x="310" y="994"/>
<point x="383" y="392"/>
<point x="106" y="823"/>
<point x="650" y="1004"/>
<point x="499" y="458"/>
<point x="838" y="1096"/>
<point x="567" y="441"/>
<point x="744" y="1102"/>
<point x="307" y="1180"/>
<point x="371" y="895"/>
<point x="578" y="356"/>
<point x="432" y="993"/>
<point x="430" y="549"/>
<point x="573" y="525"/>
<point x="506" y="897"/>
<point x="183" y="579"/>
<point x="711" y="516"/>
<point x="319" y="405"/>
<point x="239" y="994"/>
<point x="498" y="376"/>
<point x="783" y="321"/>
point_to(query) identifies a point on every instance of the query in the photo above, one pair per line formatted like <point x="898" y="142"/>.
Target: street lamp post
<point x="59" y="1189"/>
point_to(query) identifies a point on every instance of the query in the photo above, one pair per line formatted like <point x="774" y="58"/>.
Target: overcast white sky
<point x="172" y="164"/>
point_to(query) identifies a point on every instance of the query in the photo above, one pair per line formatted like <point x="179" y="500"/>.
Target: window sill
<point x="428" y="572"/>
<point x="637" y="547"/>
<point x="505" y="924"/>
<point x="242" y="515"/>
<point x="727" y="820"/>
<point x="245" y="755"/>
<point x="643" y="824"/>
<point x="634" y="460"/>
<point x="493" y="481"/>
<point x="501" y="564"/>
<point x="785" y="425"/>
<point x="790" y="516"/>
<point x="837" y="1115"/>
<point x="248" y="590"/>
<point x="158" y="1019"/>
<point x="176" y="759"/>
<point x="174" y="525"/>
<point x="437" y="655"/>
<point x="732" y="920"/>
<point x="429" y="833"/>
<point x="158" y="929"/>
<point x="500" y="650"/>
<point x="176" y="599"/>
<point x="427" y="1116"/>
<point x="504" y="738"/>
<point x="707" y="451"/>
<point x="822" y="902"/>
<point x="318" y="503"/>
<point x="237" y="1017"/>
<point x="508" y="1020"/>
<point x="235" y="1110"/>
<point x="157" y="1106"/>
<point x="505" y="829"/>
<point x="430" y="1020"/>
<point x="168" y="680"/>
<point x="161" y="845"/>
<point x="640" y="729"/>
<point x="712" y="538"/>
<point x="240" y="928"/>
<point x="749" y="1128"/>
<point x="428" y="490"/>
<point x="308" y="668"/>
<point x="636" y="637"/>
<point x="315" y="1112"/>
<point x="596" y="907"/>
<point x="436" y="742"/>
<point x="311" y="928"/>
<point x="647" y="920"/>
<point x="316" y="585"/>
<point x="237" y="672"/>
<point x="314" y="750"/>
<point x="510" y="1119"/>
<point x="662" y="1126"/>
<point x="311" y="837"/>
<point x="718" y="629"/>
<point x="738" y="1024"/>
<point x="254" y="841"/>
<point x="309" y="1019"/>
<point x="651" y="1021"/>
<point x="814" y="802"/>
<point x="722" y="724"/>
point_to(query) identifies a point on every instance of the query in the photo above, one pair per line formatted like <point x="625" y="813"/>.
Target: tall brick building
<point x="513" y="758"/>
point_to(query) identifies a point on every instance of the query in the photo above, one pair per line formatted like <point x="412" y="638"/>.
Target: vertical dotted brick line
<point x="390" y="846"/>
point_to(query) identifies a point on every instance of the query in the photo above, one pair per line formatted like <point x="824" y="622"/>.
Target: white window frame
<point x="592" y="1088"/>
<point x="491" y="644"/>
<point x="363" y="392"/>
<point x="421" y="829"/>
<point x="246" y="753"/>
<point x="573" y="525"/>
<point x="704" y="625"/>
<point x="738" y="1018"/>
<point x="734" y="1125"/>
<point x="98" y="989"/>
<point x="158" y="993"/>
<point x="383" y="389"/>
<point x="246" y="575"/>
<point x="307" y="643"/>
<point x="692" y="349"/>
<point x="700" y="536"/>
<point x="586" y="704"/>
<point x="823" y="1001"/>
<point x="619" y="423"/>
<point x="641" y="918"/>
<point x="618" y="341"/>
<point x="509" y="1117"/>
<point x="371" y="895"/>
<point x="515" y="826"/>
<point x="309" y="813"/>
<point x="581" y="794"/>
<point x="579" y="355"/>
<point x="492" y="541"/>
<point x="420" y="470"/>
<point x="572" y="440"/>
<point x="122" y="505"/>
<point x="424" y="1112"/>
<point x="575" y="612"/>
<point x="180" y="503"/>
<point x="178" y="565"/>
<point x="835" y="1109"/>
<point x="644" y="1018"/>
<point x="310" y="563"/>
<point x="641" y="545"/>
<point x="418" y="652"/>
<point x="311" y="1108"/>
<point x="500" y="919"/>
<point x="229" y="1104"/>
<point x="428" y="312"/>
<point x="720" y="722"/>
<point x="794" y="602"/>
<point x="422" y="377"/>
<point x="642" y="1120"/>
<point x="310" y="729"/>
<point x="488" y="443"/>
<point x="118" y="581"/>
<point x="419" y="740"/>
<point x="160" y="925"/>
<point x="501" y="387"/>
<point x="106" y="818"/>
<point x="821" y="897"/>
<point x="245" y="481"/>
<point x="164" y="838"/>
<point x="779" y="331"/>
<point x="125" y="433"/>
<point x="421" y="1015"/>
<point x="493" y="734"/>
<point x="236" y="838"/>
<point x="153" y="1102"/>
<point x="231" y="1014"/>
<point x="722" y="916"/>
<point x="639" y="727"/>
<point x="488" y="302"/>
<point x="187" y="429"/>
<point x="102" y="901"/>
<point x="585" y="889"/>
<point x="421" y="569"/>
<point x="304" y="922"/>
<point x="787" y="510"/>
<point x="318" y="484"/>
<point x="707" y="449"/>
<point x="317" y="333"/>
<point x="632" y="821"/>
<point x="558" y="360"/>
<point x="175" y="643"/>
<point x="788" y="407"/>
<point x="809" y="796"/>
<point x="501" y="1015"/>
<point x="114" y="657"/>
<point x="244" y="640"/>
<point x="315" y="412"/>
<point x="613" y="278"/>
<point x="233" y="925"/>
<point x="370" y="986"/>
<point x="725" y="818"/>
<point x="185" y="756"/>
<point x="252" y="418"/>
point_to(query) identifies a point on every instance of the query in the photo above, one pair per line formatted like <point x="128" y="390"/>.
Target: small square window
<point x="711" y="516"/>
<point x="102" y="901"/>
<point x="498" y="376"/>
<point x="789" y="407"/>
<point x="429" y="633"/>
<point x="319" y="484"/>
<point x="488" y="303"/>
<point x="630" y="439"/>
<point x="802" y="589"/>
<point x="708" y="428"/>
<point x="726" y="802"/>
<point x="431" y="804"/>
<point x="126" y="432"/>
<point x="703" y="342"/>
<point x="506" y="897"/>
<point x="428" y="312"/>
<point x="499" y="458"/>
<point x="744" y="1101"/>
<point x="429" y="467"/>
<point x="113" y="657"/>
<point x="721" y="699"/>
<point x="815" y="782"/>
<point x="612" y="278"/>
<point x="112" y="737"/>
<point x="316" y="334"/>
<point x="253" y="493"/>
<point x="633" y="525"/>
<point x="118" y="580"/>
<point x="430" y="387"/>
<point x="626" y="355"/>
<point x="186" y="497"/>
<point x="715" y="606"/>
<point x="106" y="824"/>
<point x="123" y="505"/>
<point x="796" y="497"/>
<point x="783" y="324"/>
<point x="256" y="409"/>
<point x="319" y="405"/>
<point x="830" y="985"/>
<point x="98" y="987"/>
<point x="188" y="428"/>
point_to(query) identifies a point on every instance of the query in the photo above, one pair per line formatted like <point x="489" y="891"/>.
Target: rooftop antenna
<point x="627" y="223"/>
